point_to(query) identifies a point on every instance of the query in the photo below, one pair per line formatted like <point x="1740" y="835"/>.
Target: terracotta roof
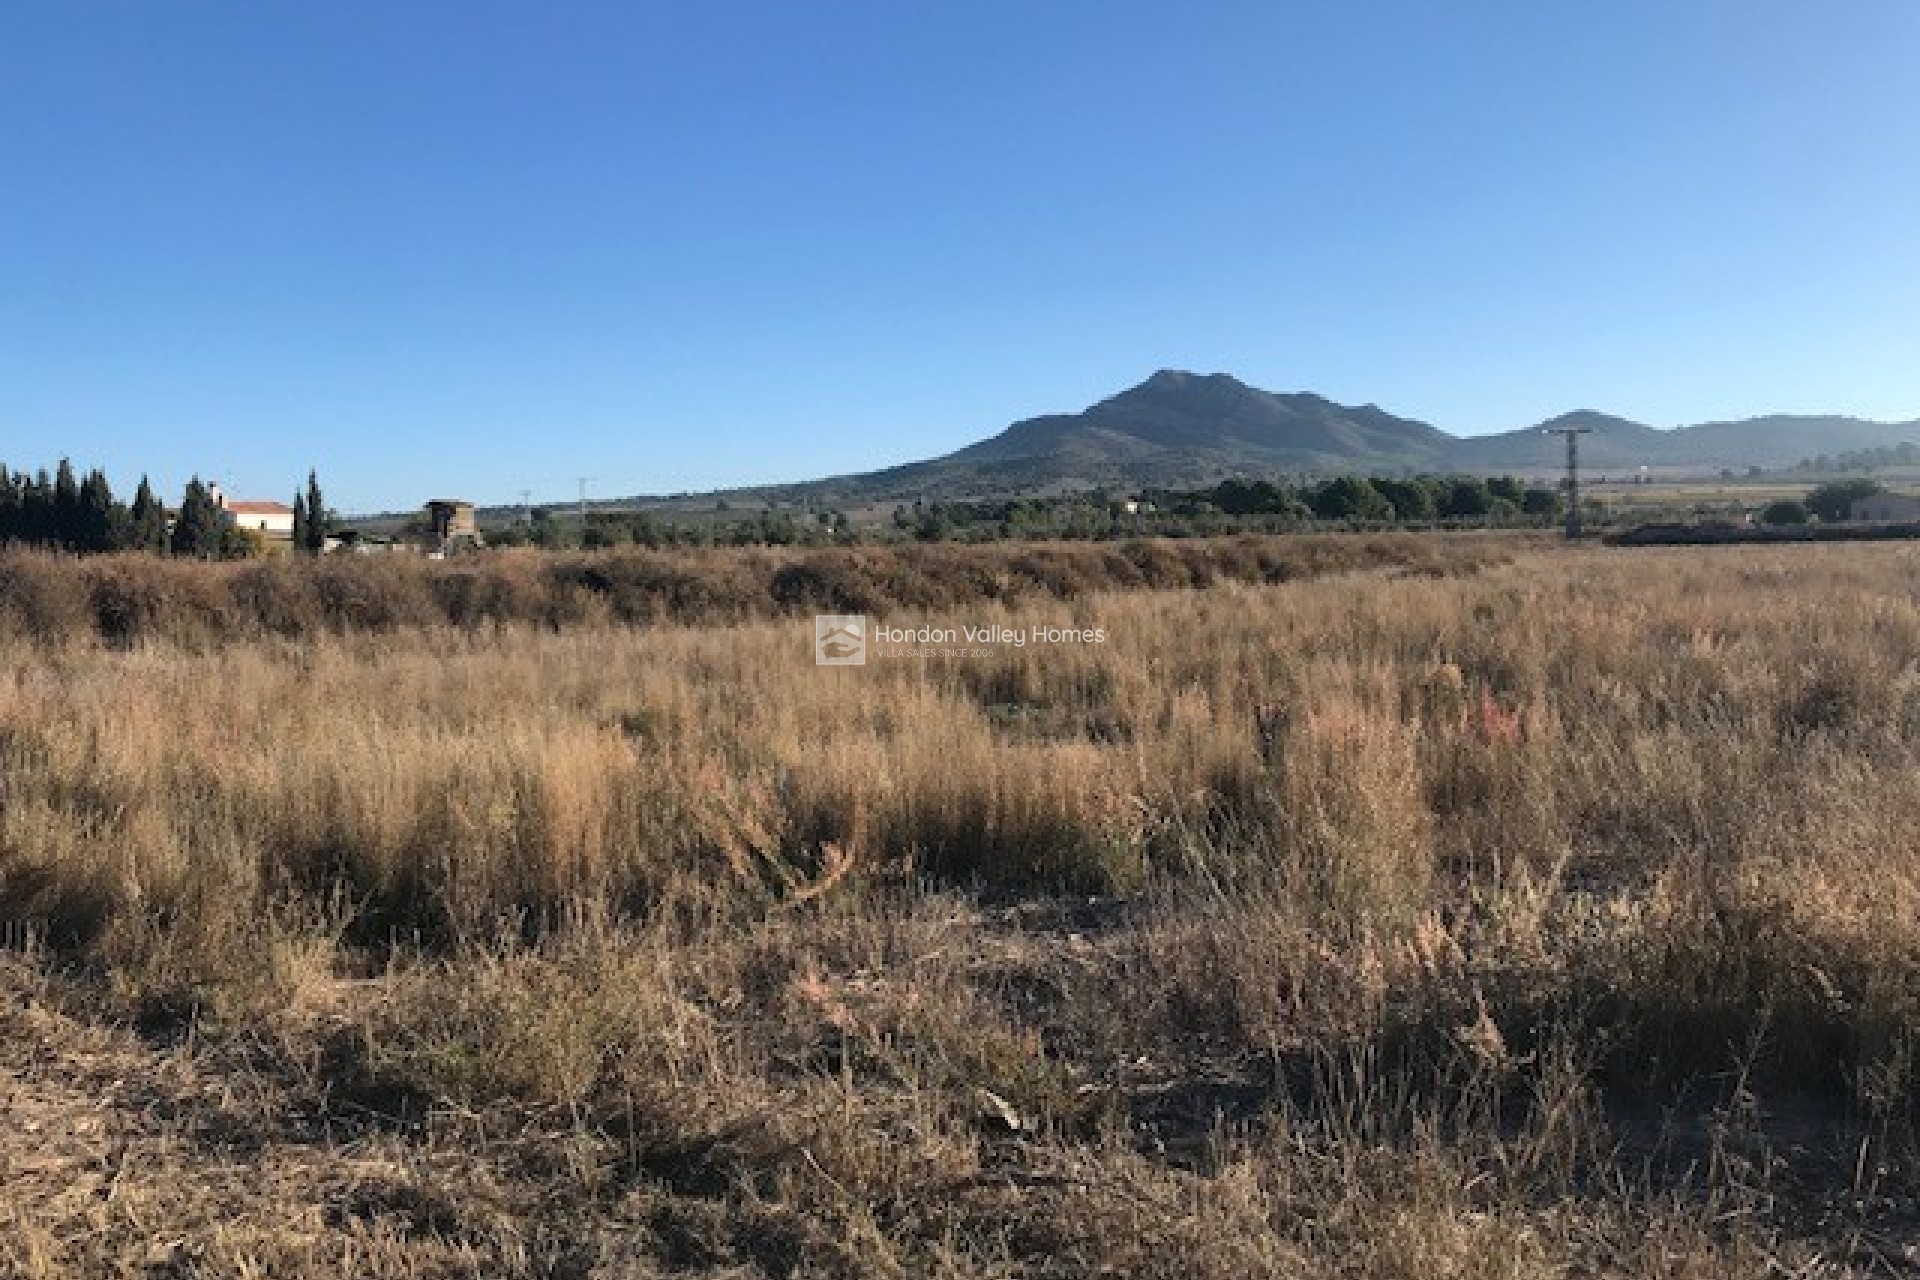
<point x="260" y="508"/>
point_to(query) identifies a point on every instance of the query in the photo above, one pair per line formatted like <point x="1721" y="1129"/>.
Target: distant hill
<point x="1174" y="429"/>
<point x="1617" y="444"/>
<point x="1612" y="443"/>
<point x="1783" y="441"/>
<point x="1180" y="428"/>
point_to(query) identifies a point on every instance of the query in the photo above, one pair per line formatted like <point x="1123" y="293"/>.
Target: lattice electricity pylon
<point x="1573" y="434"/>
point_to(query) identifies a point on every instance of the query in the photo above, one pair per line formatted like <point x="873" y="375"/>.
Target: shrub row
<point x="131" y="599"/>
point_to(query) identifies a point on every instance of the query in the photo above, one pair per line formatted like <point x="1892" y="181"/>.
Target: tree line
<point x="1904" y="454"/>
<point x="65" y="511"/>
<point x="1407" y="500"/>
<point x="1239" y="505"/>
<point x="1228" y="507"/>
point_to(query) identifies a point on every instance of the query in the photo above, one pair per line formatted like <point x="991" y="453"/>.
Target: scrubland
<point x="133" y="598"/>
<point x="1449" y="909"/>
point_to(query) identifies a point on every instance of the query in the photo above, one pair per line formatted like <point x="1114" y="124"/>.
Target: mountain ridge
<point x="1182" y="428"/>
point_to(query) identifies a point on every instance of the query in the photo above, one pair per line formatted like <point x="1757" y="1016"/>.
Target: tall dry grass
<point x="1377" y="925"/>
<point x="133" y="599"/>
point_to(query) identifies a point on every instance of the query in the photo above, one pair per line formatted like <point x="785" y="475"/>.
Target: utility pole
<point x="1573" y="434"/>
<point x="526" y="506"/>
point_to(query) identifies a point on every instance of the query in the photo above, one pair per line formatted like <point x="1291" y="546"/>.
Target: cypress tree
<point x="299" y="522"/>
<point x="66" y="529"/>
<point x="39" y="524"/>
<point x="316" y="540"/>
<point x="99" y="519"/>
<point x="201" y="527"/>
<point x="147" y="520"/>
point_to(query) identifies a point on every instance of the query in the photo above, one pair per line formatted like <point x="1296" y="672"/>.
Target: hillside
<point x="1180" y="429"/>
<point x="1771" y="442"/>
<point x="1185" y="423"/>
<point x="1175" y="428"/>
<point x="1610" y="442"/>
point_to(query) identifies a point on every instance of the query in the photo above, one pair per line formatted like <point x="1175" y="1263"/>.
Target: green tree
<point x="99" y="522"/>
<point x="1507" y="487"/>
<point x="1834" y="500"/>
<point x="1350" y="498"/>
<point x="932" y="523"/>
<point x="200" y="529"/>
<point x="601" y="533"/>
<point x="38" y="523"/>
<point x="66" y="530"/>
<point x="1542" y="504"/>
<point x="1467" y="498"/>
<point x="299" y="522"/>
<point x="546" y="531"/>
<point x="1784" y="512"/>
<point x="508" y="535"/>
<point x="317" y="522"/>
<point x="1249" y="497"/>
<point x="241" y="544"/>
<point x="1411" y="499"/>
<point x="147" y="521"/>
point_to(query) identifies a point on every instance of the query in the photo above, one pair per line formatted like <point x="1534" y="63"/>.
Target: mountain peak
<point x="1593" y="420"/>
<point x="1181" y="379"/>
<point x="1179" y="427"/>
<point x="1169" y="386"/>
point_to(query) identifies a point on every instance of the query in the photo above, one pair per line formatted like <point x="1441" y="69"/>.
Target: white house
<point x="274" y="519"/>
<point x="1886" y="508"/>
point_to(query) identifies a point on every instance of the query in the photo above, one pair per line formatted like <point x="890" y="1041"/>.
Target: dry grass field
<point x="1459" y="909"/>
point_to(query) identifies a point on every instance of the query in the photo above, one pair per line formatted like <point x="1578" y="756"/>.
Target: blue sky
<point x="481" y="247"/>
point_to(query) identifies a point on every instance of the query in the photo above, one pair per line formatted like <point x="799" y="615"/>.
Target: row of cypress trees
<point x="70" y="513"/>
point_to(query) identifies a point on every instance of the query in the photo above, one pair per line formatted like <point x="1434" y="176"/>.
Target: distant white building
<point x="1886" y="508"/>
<point x="273" y="519"/>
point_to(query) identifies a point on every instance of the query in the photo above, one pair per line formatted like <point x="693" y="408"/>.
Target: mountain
<point x="1609" y="442"/>
<point x="1183" y="429"/>
<point x="1617" y="444"/>
<point x="1178" y="423"/>
<point x="1781" y="440"/>
<point x="1174" y="429"/>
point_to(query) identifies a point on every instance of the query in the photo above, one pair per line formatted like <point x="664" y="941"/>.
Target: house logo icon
<point x="840" y="640"/>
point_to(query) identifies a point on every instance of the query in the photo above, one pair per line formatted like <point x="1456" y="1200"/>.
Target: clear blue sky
<point x="477" y="247"/>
